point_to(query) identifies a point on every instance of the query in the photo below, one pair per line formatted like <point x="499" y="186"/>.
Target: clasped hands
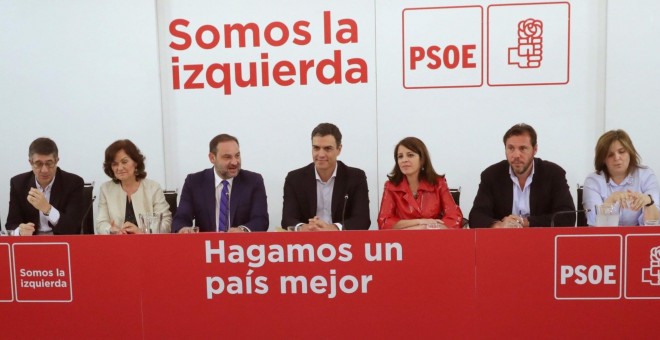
<point x="316" y="224"/>
<point x="190" y="230"/>
<point x="629" y="199"/>
<point x="126" y="228"/>
<point x="427" y="223"/>
<point x="512" y="221"/>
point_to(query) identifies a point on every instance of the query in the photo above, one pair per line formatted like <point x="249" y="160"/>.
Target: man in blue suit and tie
<point x="223" y="198"/>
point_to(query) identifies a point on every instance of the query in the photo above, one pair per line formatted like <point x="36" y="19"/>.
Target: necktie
<point x="223" y="216"/>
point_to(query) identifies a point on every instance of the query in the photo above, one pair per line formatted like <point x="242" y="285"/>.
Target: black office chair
<point x="581" y="216"/>
<point x="171" y="198"/>
<point x="456" y="195"/>
<point x="87" y="223"/>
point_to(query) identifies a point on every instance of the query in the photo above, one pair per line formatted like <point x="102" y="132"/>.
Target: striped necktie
<point x="223" y="216"/>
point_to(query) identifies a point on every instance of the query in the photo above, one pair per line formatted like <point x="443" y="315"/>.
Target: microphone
<point x="82" y="222"/>
<point x="566" y="212"/>
<point x="343" y="213"/>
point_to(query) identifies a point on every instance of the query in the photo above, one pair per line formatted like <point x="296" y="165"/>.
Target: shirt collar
<point x="48" y="187"/>
<point x="318" y="178"/>
<point x="626" y="181"/>
<point x="404" y="185"/>
<point x="218" y="179"/>
<point x="528" y="181"/>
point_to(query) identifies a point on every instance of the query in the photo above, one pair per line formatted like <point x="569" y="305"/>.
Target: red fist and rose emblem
<point x="529" y="52"/>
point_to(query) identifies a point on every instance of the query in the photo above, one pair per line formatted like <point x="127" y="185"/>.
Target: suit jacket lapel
<point x="339" y="191"/>
<point x="234" y="198"/>
<point x="56" y="189"/>
<point x="138" y="202"/>
<point x="534" y="199"/>
<point x="33" y="213"/>
<point x="422" y="187"/>
<point x="507" y="189"/>
<point x="311" y="194"/>
<point x="209" y="196"/>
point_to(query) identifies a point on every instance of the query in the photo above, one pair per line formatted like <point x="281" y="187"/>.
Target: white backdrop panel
<point x="273" y="123"/>
<point x="84" y="73"/>
<point x="633" y="81"/>
<point x="463" y="127"/>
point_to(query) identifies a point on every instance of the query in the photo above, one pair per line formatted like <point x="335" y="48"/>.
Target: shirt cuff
<point x="339" y="226"/>
<point x="244" y="228"/>
<point x="53" y="216"/>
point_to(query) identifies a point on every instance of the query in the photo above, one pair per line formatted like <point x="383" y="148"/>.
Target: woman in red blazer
<point x="415" y="196"/>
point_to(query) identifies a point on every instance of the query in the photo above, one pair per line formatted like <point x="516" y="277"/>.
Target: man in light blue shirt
<point x="522" y="191"/>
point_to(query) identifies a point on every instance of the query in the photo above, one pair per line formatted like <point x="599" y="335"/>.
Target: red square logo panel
<point x="528" y="44"/>
<point x="6" y="291"/>
<point x="42" y="272"/>
<point x="642" y="277"/>
<point x="442" y="47"/>
<point x="588" y="267"/>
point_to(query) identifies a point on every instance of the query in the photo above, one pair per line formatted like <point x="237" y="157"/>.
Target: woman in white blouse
<point x="129" y="193"/>
<point x="621" y="180"/>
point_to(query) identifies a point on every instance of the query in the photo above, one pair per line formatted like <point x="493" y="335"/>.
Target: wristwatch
<point x="650" y="204"/>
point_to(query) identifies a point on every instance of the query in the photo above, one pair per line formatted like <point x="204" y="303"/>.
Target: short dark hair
<point x="521" y="129"/>
<point x="325" y="129"/>
<point x="131" y="150"/>
<point x="42" y="146"/>
<point x="426" y="171"/>
<point x="213" y="144"/>
<point x="603" y="148"/>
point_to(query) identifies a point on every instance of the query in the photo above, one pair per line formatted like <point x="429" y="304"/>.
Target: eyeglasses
<point x="40" y="164"/>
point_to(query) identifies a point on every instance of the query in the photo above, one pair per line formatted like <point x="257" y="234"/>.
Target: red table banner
<point x="548" y="282"/>
<point x="6" y="280"/>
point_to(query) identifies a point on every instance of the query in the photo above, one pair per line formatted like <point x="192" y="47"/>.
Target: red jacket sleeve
<point x="452" y="216"/>
<point x="387" y="216"/>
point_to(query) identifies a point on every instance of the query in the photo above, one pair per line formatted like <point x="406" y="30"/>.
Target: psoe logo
<point x="642" y="272"/>
<point x="588" y="267"/>
<point x="528" y="44"/>
<point x="442" y="47"/>
<point x="651" y="275"/>
<point x="594" y="274"/>
<point x="529" y="51"/>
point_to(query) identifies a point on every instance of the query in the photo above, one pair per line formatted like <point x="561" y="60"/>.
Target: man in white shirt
<point x="326" y="194"/>
<point x="225" y="197"/>
<point x="522" y="191"/>
<point x="46" y="200"/>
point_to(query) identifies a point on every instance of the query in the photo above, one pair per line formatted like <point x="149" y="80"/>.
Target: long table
<point x="519" y="283"/>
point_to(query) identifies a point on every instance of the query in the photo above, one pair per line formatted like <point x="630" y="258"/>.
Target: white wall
<point x="84" y="73"/>
<point x="89" y="72"/>
<point x="633" y="80"/>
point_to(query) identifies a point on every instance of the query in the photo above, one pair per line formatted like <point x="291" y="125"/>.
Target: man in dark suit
<point x="223" y="198"/>
<point x="46" y="200"/>
<point x="522" y="191"/>
<point x="326" y="194"/>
